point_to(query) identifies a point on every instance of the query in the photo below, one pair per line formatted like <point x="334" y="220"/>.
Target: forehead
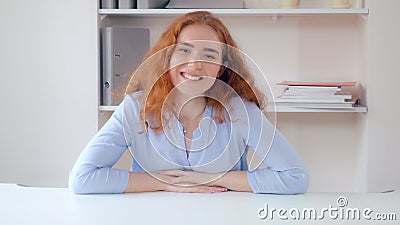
<point x="198" y="32"/>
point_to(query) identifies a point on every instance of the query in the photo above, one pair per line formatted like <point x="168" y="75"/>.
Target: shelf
<point x="107" y="108"/>
<point x="356" y="109"/>
<point x="234" y="12"/>
<point x="274" y="13"/>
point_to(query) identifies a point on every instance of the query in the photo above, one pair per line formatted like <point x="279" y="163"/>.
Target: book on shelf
<point x="306" y="95"/>
<point x="323" y="95"/>
<point x="316" y="84"/>
<point x="316" y="105"/>
<point x="314" y="88"/>
<point x="310" y="100"/>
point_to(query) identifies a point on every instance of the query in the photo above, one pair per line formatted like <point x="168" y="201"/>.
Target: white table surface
<point x="35" y="205"/>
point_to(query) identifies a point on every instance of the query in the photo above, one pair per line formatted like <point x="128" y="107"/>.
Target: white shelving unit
<point x="234" y="12"/>
<point x="273" y="13"/>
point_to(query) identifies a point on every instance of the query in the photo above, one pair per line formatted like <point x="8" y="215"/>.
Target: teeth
<point x="187" y="76"/>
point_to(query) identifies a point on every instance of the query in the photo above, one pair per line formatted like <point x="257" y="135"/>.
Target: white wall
<point x="48" y="88"/>
<point x="383" y="80"/>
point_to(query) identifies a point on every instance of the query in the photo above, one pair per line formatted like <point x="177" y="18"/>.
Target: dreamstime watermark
<point x="339" y="212"/>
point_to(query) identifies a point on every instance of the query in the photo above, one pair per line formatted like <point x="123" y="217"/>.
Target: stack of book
<point x="319" y="95"/>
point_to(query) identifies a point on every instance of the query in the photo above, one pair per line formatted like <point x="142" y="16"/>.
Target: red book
<point x="326" y="84"/>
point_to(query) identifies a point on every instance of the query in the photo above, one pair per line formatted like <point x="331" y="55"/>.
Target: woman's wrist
<point x="143" y="182"/>
<point x="234" y="180"/>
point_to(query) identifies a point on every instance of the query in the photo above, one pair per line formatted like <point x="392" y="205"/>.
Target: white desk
<point x="29" y="205"/>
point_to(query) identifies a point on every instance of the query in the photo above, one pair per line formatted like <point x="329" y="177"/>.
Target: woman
<point x="190" y="117"/>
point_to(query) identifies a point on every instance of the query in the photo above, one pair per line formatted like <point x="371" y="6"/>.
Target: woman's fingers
<point x="175" y="173"/>
<point x="177" y="176"/>
<point x="184" y="176"/>
<point x="211" y="189"/>
<point x="187" y="181"/>
<point x="198" y="189"/>
<point x="181" y="179"/>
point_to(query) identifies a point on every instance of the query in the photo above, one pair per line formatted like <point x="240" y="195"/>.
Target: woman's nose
<point x="195" y="64"/>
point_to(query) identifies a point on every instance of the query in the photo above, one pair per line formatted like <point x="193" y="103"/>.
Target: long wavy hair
<point x="152" y="76"/>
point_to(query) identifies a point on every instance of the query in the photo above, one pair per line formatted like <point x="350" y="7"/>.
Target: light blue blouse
<point x="216" y="147"/>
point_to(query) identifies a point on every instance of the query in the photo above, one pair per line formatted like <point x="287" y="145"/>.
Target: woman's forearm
<point x="234" y="180"/>
<point x="143" y="182"/>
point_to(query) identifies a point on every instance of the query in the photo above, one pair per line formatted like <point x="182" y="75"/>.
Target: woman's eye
<point x="184" y="50"/>
<point x="210" y="57"/>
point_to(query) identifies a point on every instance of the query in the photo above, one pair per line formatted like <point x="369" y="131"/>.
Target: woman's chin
<point x="193" y="91"/>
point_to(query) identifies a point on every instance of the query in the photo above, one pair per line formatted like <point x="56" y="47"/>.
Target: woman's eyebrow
<point x="187" y="44"/>
<point x="211" y="50"/>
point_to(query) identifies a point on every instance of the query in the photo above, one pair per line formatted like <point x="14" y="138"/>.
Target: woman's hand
<point x="194" y="189"/>
<point x="190" y="181"/>
<point x="184" y="177"/>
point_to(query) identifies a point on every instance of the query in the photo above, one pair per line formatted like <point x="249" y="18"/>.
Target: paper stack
<point x="322" y="95"/>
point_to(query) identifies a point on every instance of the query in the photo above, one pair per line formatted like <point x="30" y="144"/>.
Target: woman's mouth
<point x="191" y="77"/>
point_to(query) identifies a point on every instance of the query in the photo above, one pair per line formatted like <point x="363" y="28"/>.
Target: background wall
<point x="48" y="116"/>
<point x="49" y="88"/>
<point x="383" y="77"/>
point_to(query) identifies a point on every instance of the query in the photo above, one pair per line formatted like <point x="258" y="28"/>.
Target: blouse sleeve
<point x="284" y="171"/>
<point x="93" y="172"/>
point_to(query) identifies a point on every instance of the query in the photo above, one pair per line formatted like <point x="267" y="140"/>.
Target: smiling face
<point x="196" y="59"/>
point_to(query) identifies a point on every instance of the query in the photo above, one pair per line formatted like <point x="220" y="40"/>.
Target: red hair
<point x="157" y="68"/>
